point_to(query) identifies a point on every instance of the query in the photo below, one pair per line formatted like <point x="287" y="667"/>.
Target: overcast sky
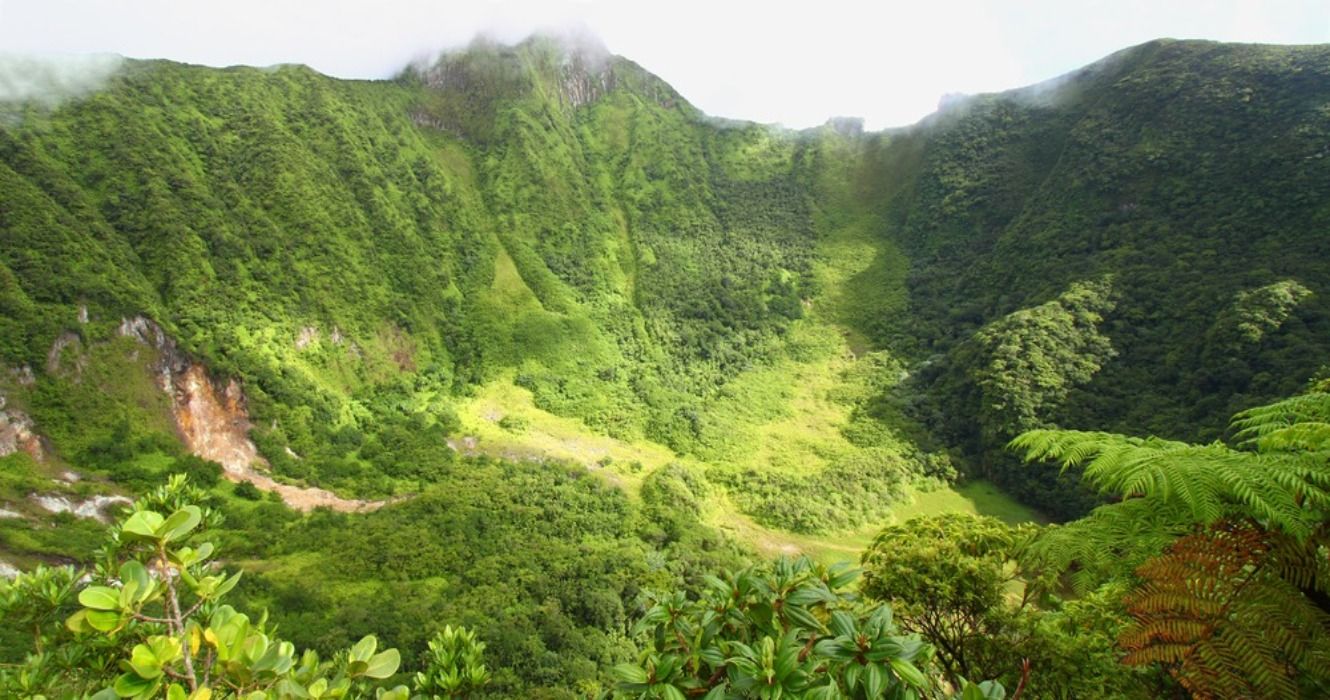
<point x="795" y="63"/>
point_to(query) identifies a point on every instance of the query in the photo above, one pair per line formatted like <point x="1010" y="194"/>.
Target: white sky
<point x="793" y="63"/>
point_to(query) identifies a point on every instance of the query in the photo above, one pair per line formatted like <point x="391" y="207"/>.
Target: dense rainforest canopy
<point x="485" y="376"/>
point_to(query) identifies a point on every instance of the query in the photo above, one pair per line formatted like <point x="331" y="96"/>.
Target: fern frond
<point x="1108" y="543"/>
<point x="1225" y="611"/>
<point x="1266" y="427"/>
<point x="1202" y="480"/>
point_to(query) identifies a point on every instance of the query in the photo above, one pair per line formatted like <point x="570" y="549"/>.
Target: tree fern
<point x="1223" y="611"/>
<point x="1284" y="490"/>
<point x="1109" y="543"/>
<point x="1238" y="602"/>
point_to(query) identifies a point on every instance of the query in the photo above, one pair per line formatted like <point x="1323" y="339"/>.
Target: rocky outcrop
<point x="307" y="337"/>
<point x="585" y="75"/>
<point x="8" y="570"/>
<point x="211" y="416"/>
<point x="17" y="433"/>
<point x="96" y="507"/>
<point x="62" y="343"/>
<point x="213" y="420"/>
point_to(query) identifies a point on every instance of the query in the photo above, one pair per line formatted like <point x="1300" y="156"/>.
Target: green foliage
<point x="359" y="256"/>
<point x="1282" y="483"/>
<point x="453" y="665"/>
<point x="788" y="629"/>
<point x="960" y="582"/>
<point x="1014" y="373"/>
<point x="159" y="617"/>
<point x="947" y="578"/>
<point x="542" y="562"/>
<point x="1138" y="167"/>
<point x="248" y="491"/>
<point x="1236" y="600"/>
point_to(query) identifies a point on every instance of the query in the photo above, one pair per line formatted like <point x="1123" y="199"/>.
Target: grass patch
<point x="487" y="418"/>
<point x="975" y="498"/>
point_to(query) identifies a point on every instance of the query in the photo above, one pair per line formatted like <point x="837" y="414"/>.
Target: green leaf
<point x="364" y="648"/>
<point x="103" y="620"/>
<point x="227" y="585"/>
<point x="875" y="681"/>
<point x="78" y="622"/>
<point x="672" y="693"/>
<point x="908" y="673"/>
<point x="803" y="618"/>
<point x="143" y="524"/>
<point x="629" y="673"/>
<point x="100" y="598"/>
<point x="383" y="664"/>
<point x="145" y="663"/>
<point x="842" y="624"/>
<point x="130" y="685"/>
<point x="180" y="523"/>
<point x="135" y="579"/>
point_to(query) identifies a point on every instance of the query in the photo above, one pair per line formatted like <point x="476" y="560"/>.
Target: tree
<point x="962" y="583"/>
<point x="1238" y="602"/>
<point x="1025" y="364"/>
<point x="947" y="578"/>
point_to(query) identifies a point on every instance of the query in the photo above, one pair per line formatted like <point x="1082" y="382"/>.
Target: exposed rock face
<point x="213" y="421"/>
<point x="7" y="570"/>
<point x="585" y="76"/>
<point x="308" y="336"/>
<point x="94" y="507"/>
<point x="65" y="341"/>
<point x="16" y="433"/>
<point x="23" y="375"/>
<point x="211" y="416"/>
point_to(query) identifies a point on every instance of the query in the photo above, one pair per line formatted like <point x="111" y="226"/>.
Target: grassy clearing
<point x="975" y="498"/>
<point x="786" y="416"/>
<point x="502" y="420"/>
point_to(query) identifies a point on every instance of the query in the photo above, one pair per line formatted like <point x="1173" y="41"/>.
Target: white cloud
<point x="796" y="63"/>
<point x="50" y="79"/>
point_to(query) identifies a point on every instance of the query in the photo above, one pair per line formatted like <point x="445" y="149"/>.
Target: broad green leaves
<point x="151" y="616"/>
<point x="149" y="525"/>
<point x="790" y="630"/>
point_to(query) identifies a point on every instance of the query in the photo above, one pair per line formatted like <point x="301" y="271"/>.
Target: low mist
<point x="50" y="80"/>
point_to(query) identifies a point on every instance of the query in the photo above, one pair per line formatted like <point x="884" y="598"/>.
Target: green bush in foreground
<point x="792" y="629"/>
<point x="150" y="622"/>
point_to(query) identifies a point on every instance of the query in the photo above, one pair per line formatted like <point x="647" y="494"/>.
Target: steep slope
<point x="356" y="254"/>
<point x="1190" y="174"/>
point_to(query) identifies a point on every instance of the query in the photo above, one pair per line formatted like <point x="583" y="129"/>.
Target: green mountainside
<point x="571" y="340"/>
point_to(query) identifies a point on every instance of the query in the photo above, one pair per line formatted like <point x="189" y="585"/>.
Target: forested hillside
<point x="520" y="340"/>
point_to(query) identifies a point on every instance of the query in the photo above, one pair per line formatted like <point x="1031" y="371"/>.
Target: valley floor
<point x="787" y="417"/>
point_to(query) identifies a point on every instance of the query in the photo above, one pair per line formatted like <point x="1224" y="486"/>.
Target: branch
<point x="1025" y="676"/>
<point x="178" y="621"/>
